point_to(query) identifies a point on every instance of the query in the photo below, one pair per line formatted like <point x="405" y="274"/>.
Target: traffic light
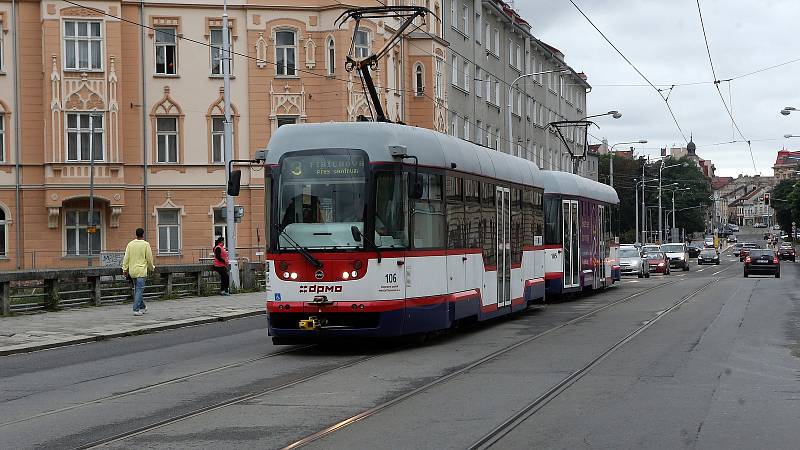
<point x="766" y="199"/>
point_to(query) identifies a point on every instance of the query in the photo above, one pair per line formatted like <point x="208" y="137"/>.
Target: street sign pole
<point x="230" y="222"/>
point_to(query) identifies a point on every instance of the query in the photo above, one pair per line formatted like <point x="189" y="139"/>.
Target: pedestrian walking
<point x="221" y="265"/>
<point x="138" y="261"/>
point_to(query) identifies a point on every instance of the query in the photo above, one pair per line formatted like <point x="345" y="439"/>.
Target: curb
<point x="135" y="332"/>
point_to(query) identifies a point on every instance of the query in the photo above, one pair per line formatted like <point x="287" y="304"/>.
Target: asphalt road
<point x="704" y="359"/>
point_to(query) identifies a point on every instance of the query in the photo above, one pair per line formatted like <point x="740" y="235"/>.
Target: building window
<point x="454" y="65"/>
<point x="478" y="27"/>
<point x="466" y="75"/>
<point x="331" y="55"/>
<point x="286" y="120"/>
<point x="478" y="132"/>
<point x="488" y="84"/>
<point x="465" y="18"/>
<point x="83" y="45"/>
<point x="84" y="136"/>
<point x="286" y="53"/>
<point x="217" y="139"/>
<point x="166" y="51"/>
<point x="167" y="139"/>
<point x="169" y="228"/>
<point x="466" y="128"/>
<point x="77" y="236"/>
<point x="419" y="86"/>
<point x="2" y="60"/>
<point x="3" y="233"/>
<point x="478" y="79"/>
<point x="496" y="42"/>
<point x="453" y="127"/>
<point x="438" y="86"/>
<point x="497" y="92"/>
<point x="361" y="38"/>
<point x="487" y="37"/>
<point x="220" y="224"/>
<point x="216" y="51"/>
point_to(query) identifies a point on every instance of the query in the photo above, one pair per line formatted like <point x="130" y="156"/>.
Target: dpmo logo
<point x="318" y="289"/>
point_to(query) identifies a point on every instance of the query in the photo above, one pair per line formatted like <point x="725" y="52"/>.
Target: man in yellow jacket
<point x="138" y="261"/>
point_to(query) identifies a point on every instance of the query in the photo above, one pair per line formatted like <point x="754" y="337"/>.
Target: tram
<point x="382" y="230"/>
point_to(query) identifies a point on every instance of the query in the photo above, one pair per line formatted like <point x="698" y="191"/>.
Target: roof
<point x="595" y="148"/>
<point x="720" y="182"/>
<point x="787" y="157"/>
<point x="574" y="185"/>
<point x="433" y="149"/>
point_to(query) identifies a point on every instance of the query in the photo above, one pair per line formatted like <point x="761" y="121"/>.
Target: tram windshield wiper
<point x="358" y="235"/>
<point x="300" y="249"/>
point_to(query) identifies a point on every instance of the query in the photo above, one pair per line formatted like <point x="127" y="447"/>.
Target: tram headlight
<point x="345" y="275"/>
<point x="354" y="274"/>
<point x="293" y="275"/>
<point x="285" y="274"/>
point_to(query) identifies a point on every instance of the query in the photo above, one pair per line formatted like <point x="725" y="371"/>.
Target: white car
<point x="678" y="255"/>
<point x="776" y="227"/>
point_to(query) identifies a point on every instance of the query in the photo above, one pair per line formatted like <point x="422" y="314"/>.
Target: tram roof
<point x="430" y="147"/>
<point x="570" y="184"/>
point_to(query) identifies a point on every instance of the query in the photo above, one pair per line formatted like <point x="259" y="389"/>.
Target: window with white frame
<point x="539" y="68"/>
<point x="465" y="18"/>
<point x="497" y="92"/>
<point x="419" y="80"/>
<point x="166" y="42"/>
<point x="285" y="53"/>
<point x="2" y="54"/>
<point x="511" y="53"/>
<point x="454" y="65"/>
<point x="438" y="82"/>
<point x="217" y="139"/>
<point x="517" y="102"/>
<point x="487" y="82"/>
<point x="286" y="120"/>
<point x="478" y="81"/>
<point x="167" y="139"/>
<point x="453" y="126"/>
<point x="220" y="224"/>
<point x="478" y="132"/>
<point x="169" y="231"/>
<point x="76" y="232"/>
<point x="497" y="139"/>
<point x="361" y="38"/>
<point x="487" y="37"/>
<point x="330" y="55"/>
<point x="466" y="129"/>
<point x="517" y="57"/>
<point x="496" y="42"/>
<point x="453" y="21"/>
<point x="466" y="75"/>
<point x="84" y="136"/>
<point x="489" y="137"/>
<point x="529" y="107"/>
<point x="478" y="27"/>
<point x="216" y="51"/>
<point x="3" y="232"/>
<point x="83" y="45"/>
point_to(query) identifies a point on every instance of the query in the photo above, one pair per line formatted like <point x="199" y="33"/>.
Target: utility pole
<point x="644" y="228"/>
<point x="230" y="220"/>
<point x="636" y="210"/>
<point x="91" y="229"/>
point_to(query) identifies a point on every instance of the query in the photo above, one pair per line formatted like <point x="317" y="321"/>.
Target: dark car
<point x="786" y="252"/>
<point x="708" y="256"/>
<point x="694" y="249"/>
<point x="658" y="262"/>
<point x="762" y="262"/>
<point x="746" y="250"/>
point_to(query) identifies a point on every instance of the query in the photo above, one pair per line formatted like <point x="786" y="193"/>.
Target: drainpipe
<point x="145" y="196"/>
<point x="17" y="136"/>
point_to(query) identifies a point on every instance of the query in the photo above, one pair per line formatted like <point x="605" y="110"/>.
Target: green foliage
<point x="781" y="202"/>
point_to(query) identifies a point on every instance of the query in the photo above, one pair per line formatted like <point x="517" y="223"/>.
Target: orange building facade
<point x="139" y="86"/>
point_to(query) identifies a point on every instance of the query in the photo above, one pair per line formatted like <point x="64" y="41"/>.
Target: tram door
<point x="600" y="265"/>
<point x="503" y="199"/>
<point x="572" y="254"/>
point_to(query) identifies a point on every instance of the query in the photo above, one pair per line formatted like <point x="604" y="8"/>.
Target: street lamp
<point x="788" y="110"/>
<point x="510" y="94"/>
<point x="672" y="238"/>
<point x="789" y="136"/>
<point x="660" y="217"/>
<point x="91" y="228"/>
<point x="636" y="207"/>
<point x="611" y="151"/>
<point x="613" y="113"/>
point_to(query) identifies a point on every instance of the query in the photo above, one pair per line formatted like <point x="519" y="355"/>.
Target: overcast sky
<point x="664" y="40"/>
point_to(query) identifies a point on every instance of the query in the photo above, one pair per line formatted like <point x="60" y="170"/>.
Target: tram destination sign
<point x="325" y="166"/>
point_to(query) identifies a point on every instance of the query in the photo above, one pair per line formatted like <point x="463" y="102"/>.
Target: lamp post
<point x="613" y="113"/>
<point x="660" y="218"/>
<point x="510" y="94"/>
<point x="672" y="238"/>
<point x="230" y="219"/>
<point x="91" y="229"/>
<point x="636" y="208"/>
<point x="611" y="154"/>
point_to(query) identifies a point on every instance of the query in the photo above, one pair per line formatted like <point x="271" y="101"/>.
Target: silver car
<point x="631" y="262"/>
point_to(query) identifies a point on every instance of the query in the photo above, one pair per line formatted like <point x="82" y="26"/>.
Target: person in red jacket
<point x="221" y="264"/>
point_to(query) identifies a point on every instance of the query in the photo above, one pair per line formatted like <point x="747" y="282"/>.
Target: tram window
<point x="455" y="212"/>
<point x="516" y="226"/>
<point x="538" y="213"/>
<point x="428" y="214"/>
<point x="472" y="206"/>
<point x="552" y="220"/>
<point x="489" y="224"/>
<point x="391" y="210"/>
<point x="527" y="217"/>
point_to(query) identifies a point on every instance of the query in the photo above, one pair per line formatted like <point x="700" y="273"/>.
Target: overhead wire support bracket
<point x="364" y="64"/>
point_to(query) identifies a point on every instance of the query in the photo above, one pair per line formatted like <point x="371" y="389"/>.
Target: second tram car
<point x="385" y="230"/>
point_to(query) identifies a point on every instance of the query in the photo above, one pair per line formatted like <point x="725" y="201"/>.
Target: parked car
<point x="708" y="256"/>
<point x="651" y="248"/>
<point x="762" y="262"/>
<point x="732" y="238"/>
<point x="694" y="249"/>
<point x="760" y="225"/>
<point x="631" y="262"/>
<point x="678" y="255"/>
<point x="658" y="262"/>
<point x="736" y="248"/>
<point x="776" y="227"/>
<point x="745" y="250"/>
<point x="786" y="252"/>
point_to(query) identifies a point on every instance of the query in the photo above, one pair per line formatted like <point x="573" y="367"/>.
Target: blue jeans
<point x="138" y="293"/>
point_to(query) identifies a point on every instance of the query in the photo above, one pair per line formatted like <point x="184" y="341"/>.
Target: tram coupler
<point x="311" y="324"/>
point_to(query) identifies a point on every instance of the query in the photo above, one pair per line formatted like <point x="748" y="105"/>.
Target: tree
<point x="781" y="202"/>
<point x="626" y="170"/>
<point x="698" y="197"/>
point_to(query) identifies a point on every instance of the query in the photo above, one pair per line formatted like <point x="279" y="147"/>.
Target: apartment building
<point x="490" y="46"/>
<point x="138" y="86"/>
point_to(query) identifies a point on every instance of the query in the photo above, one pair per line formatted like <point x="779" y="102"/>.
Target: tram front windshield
<point x="321" y="197"/>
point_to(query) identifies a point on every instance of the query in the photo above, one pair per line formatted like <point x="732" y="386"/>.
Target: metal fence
<point x="32" y="290"/>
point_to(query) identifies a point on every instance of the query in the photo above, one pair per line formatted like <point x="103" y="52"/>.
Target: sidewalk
<point x="27" y="333"/>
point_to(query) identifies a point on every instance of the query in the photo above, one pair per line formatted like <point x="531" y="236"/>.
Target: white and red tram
<point x="383" y="230"/>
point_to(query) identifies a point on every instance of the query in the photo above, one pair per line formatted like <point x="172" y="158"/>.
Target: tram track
<point x="495" y="435"/>
<point x="444" y="378"/>
<point x="152" y="386"/>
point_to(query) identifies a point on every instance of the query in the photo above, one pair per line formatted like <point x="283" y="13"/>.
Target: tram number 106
<point x="391" y="278"/>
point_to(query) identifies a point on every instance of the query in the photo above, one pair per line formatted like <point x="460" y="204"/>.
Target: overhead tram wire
<point x="716" y="85"/>
<point x="669" y="108"/>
